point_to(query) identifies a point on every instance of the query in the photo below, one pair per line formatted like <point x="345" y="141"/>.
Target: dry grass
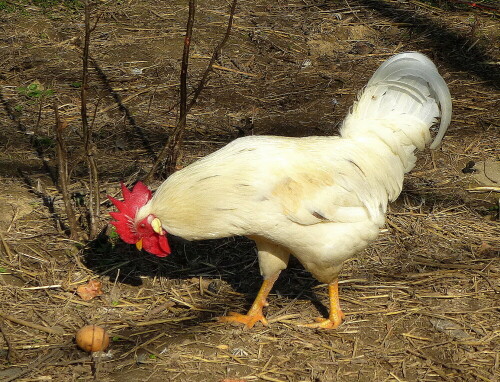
<point x="421" y="303"/>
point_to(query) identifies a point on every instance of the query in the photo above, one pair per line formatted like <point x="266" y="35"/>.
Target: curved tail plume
<point x="404" y="96"/>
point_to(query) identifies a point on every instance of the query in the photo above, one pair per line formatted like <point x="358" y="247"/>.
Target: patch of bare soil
<point x="421" y="304"/>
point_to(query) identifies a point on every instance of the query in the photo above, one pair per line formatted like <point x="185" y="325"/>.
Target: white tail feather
<point x="404" y="96"/>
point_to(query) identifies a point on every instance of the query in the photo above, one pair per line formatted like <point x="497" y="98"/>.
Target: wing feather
<point x="316" y="197"/>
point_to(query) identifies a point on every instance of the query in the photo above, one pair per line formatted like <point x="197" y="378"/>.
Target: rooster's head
<point x="146" y="233"/>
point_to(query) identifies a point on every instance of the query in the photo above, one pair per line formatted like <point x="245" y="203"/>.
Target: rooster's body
<point x="321" y="199"/>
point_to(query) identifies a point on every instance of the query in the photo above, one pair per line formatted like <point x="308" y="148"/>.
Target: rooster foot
<point x="325" y="323"/>
<point x="332" y="322"/>
<point x="249" y="320"/>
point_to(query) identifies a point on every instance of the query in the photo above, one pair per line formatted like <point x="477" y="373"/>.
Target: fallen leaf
<point x="485" y="249"/>
<point x="450" y="328"/>
<point x="90" y="290"/>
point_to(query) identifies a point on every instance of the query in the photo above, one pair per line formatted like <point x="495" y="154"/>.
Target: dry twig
<point x="62" y="165"/>
<point x="29" y="324"/>
<point x="94" y="205"/>
<point x="170" y="151"/>
<point x="11" y="352"/>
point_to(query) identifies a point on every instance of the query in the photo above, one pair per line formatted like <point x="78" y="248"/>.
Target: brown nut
<point x="92" y="338"/>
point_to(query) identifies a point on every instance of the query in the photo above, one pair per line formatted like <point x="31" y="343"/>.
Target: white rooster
<point x="321" y="199"/>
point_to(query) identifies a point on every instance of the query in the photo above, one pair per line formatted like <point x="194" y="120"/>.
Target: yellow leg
<point x="255" y="313"/>
<point x="336" y="315"/>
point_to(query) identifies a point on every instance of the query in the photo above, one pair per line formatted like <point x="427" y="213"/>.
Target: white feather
<point x="405" y="90"/>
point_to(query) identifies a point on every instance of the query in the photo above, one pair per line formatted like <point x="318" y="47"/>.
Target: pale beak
<point x="139" y="244"/>
<point x="156" y="224"/>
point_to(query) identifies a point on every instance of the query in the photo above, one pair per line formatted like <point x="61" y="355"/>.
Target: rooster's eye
<point x="143" y="225"/>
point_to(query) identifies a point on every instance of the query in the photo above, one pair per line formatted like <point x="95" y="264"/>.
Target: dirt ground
<point x="422" y="303"/>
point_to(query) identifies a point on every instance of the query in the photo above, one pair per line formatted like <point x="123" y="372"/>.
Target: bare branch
<point x="94" y="192"/>
<point x="170" y="151"/>
<point x="215" y="56"/>
<point x="62" y="166"/>
<point x="185" y="65"/>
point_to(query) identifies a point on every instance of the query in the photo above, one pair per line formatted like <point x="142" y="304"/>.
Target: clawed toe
<point x="323" y="323"/>
<point x="246" y="319"/>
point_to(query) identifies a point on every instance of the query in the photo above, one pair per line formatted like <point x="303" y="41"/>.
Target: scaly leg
<point x="336" y="315"/>
<point x="255" y="313"/>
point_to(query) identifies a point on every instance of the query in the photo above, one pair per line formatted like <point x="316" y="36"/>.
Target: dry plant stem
<point x="185" y="65"/>
<point x="6" y="248"/>
<point x="11" y="352"/>
<point x="87" y="130"/>
<point x="39" y="118"/>
<point x="484" y="189"/>
<point x="32" y="325"/>
<point x="171" y="150"/>
<point x="62" y="164"/>
<point x="42" y="360"/>
<point x="215" y="56"/>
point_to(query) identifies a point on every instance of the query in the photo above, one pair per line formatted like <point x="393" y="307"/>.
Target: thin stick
<point x="42" y="360"/>
<point x="11" y="352"/>
<point x="31" y="324"/>
<point x="185" y="64"/>
<point x="7" y="248"/>
<point x="484" y="189"/>
<point x="93" y="209"/>
<point x="172" y="146"/>
<point x="170" y="151"/>
<point x="62" y="164"/>
<point x="215" y="56"/>
<point x="39" y="118"/>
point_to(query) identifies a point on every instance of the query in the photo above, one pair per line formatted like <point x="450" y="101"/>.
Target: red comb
<point x="127" y="209"/>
